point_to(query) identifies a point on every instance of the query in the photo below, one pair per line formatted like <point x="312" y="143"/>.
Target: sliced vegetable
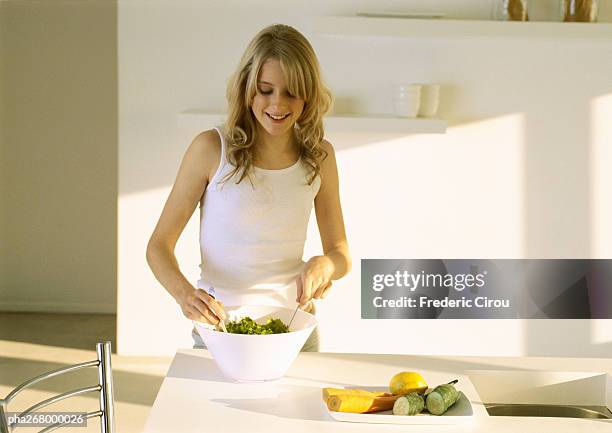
<point x="410" y="404"/>
<point x="327" y="392"/>
<point x="360" y="403"/>
<point x="441" y="398"/>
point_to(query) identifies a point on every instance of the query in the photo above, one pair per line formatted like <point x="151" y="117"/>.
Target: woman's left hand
<point x="315" y="279"/>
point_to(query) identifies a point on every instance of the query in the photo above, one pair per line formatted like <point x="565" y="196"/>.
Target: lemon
<point x="407" y="382"/>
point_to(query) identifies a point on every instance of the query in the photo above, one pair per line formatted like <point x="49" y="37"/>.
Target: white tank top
<point x="252" y="235"/>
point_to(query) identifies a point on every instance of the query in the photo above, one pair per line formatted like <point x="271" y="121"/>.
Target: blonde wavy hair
<point x="301" y="69"/>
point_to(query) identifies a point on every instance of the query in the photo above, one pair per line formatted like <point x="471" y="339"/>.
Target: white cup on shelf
<point x="430" y="100"/>
<point x="406" y="100"/>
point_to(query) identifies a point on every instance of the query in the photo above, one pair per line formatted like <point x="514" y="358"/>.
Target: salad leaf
<point x="246" y="325"/>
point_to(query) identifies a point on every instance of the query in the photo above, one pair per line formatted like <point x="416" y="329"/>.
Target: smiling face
<point x="274" y="107"/>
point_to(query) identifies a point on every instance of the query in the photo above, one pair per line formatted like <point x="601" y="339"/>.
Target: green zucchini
<point x="441" y="398"/>
<point x="409" y="404"/>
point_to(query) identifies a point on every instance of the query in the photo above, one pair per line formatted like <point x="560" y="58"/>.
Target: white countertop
<point x="195" y="397"/>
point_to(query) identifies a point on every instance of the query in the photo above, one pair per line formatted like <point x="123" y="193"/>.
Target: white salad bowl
<point x="256" y="358"/>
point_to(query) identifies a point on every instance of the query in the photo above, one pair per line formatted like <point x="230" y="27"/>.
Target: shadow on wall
<point x="76" y="331"/>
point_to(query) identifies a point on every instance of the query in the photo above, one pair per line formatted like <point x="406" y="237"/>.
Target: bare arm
<point x="315" y="279"/>
<point x="199" y="163"/>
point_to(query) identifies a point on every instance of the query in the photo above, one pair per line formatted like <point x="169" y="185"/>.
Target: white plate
<point x="458" y="413"/>
<point x="391" y="14"/>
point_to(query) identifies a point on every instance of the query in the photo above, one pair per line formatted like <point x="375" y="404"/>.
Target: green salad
<point x="246" y="325"/>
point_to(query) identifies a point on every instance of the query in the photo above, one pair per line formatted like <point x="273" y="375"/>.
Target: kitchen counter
<point x="195" y="396"/>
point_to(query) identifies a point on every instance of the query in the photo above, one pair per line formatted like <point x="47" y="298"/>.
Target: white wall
<point x="58" y="156"/>
<point x="520" y="172"/>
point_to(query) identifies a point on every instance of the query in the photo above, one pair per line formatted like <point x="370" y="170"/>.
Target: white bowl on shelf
<point x="406" y="100"/>
<point x="407" y="106"/>
<point x="257" y="358"/>
<point x="430" y="100"/>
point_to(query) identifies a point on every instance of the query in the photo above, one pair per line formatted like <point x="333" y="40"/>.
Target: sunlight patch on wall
<point x="601" y="331"/>
<point x="601" y="176"/>
<point x="137" y="314"/>
<point x="454" y="195"/>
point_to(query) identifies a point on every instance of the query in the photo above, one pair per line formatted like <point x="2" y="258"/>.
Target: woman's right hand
<point x="200" y="306"/>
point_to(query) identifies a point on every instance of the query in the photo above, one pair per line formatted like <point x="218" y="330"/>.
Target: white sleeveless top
<point x="252" y="235"/>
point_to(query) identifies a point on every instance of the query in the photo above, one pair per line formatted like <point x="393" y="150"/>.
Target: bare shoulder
<point x="205" y="151"/>
<point x="327" y="146"/>
<point x="206" y="143"/>
<point x="329" y="155"/>
<point x="328" y="165"/>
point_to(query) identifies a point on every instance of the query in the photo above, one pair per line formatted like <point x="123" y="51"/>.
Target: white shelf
<point x="443" y="28"/>
<point x="384" y="125"/>
<point x="198" y="120"/>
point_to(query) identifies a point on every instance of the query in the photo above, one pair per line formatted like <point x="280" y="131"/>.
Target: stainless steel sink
<point x="548" y="410"/>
